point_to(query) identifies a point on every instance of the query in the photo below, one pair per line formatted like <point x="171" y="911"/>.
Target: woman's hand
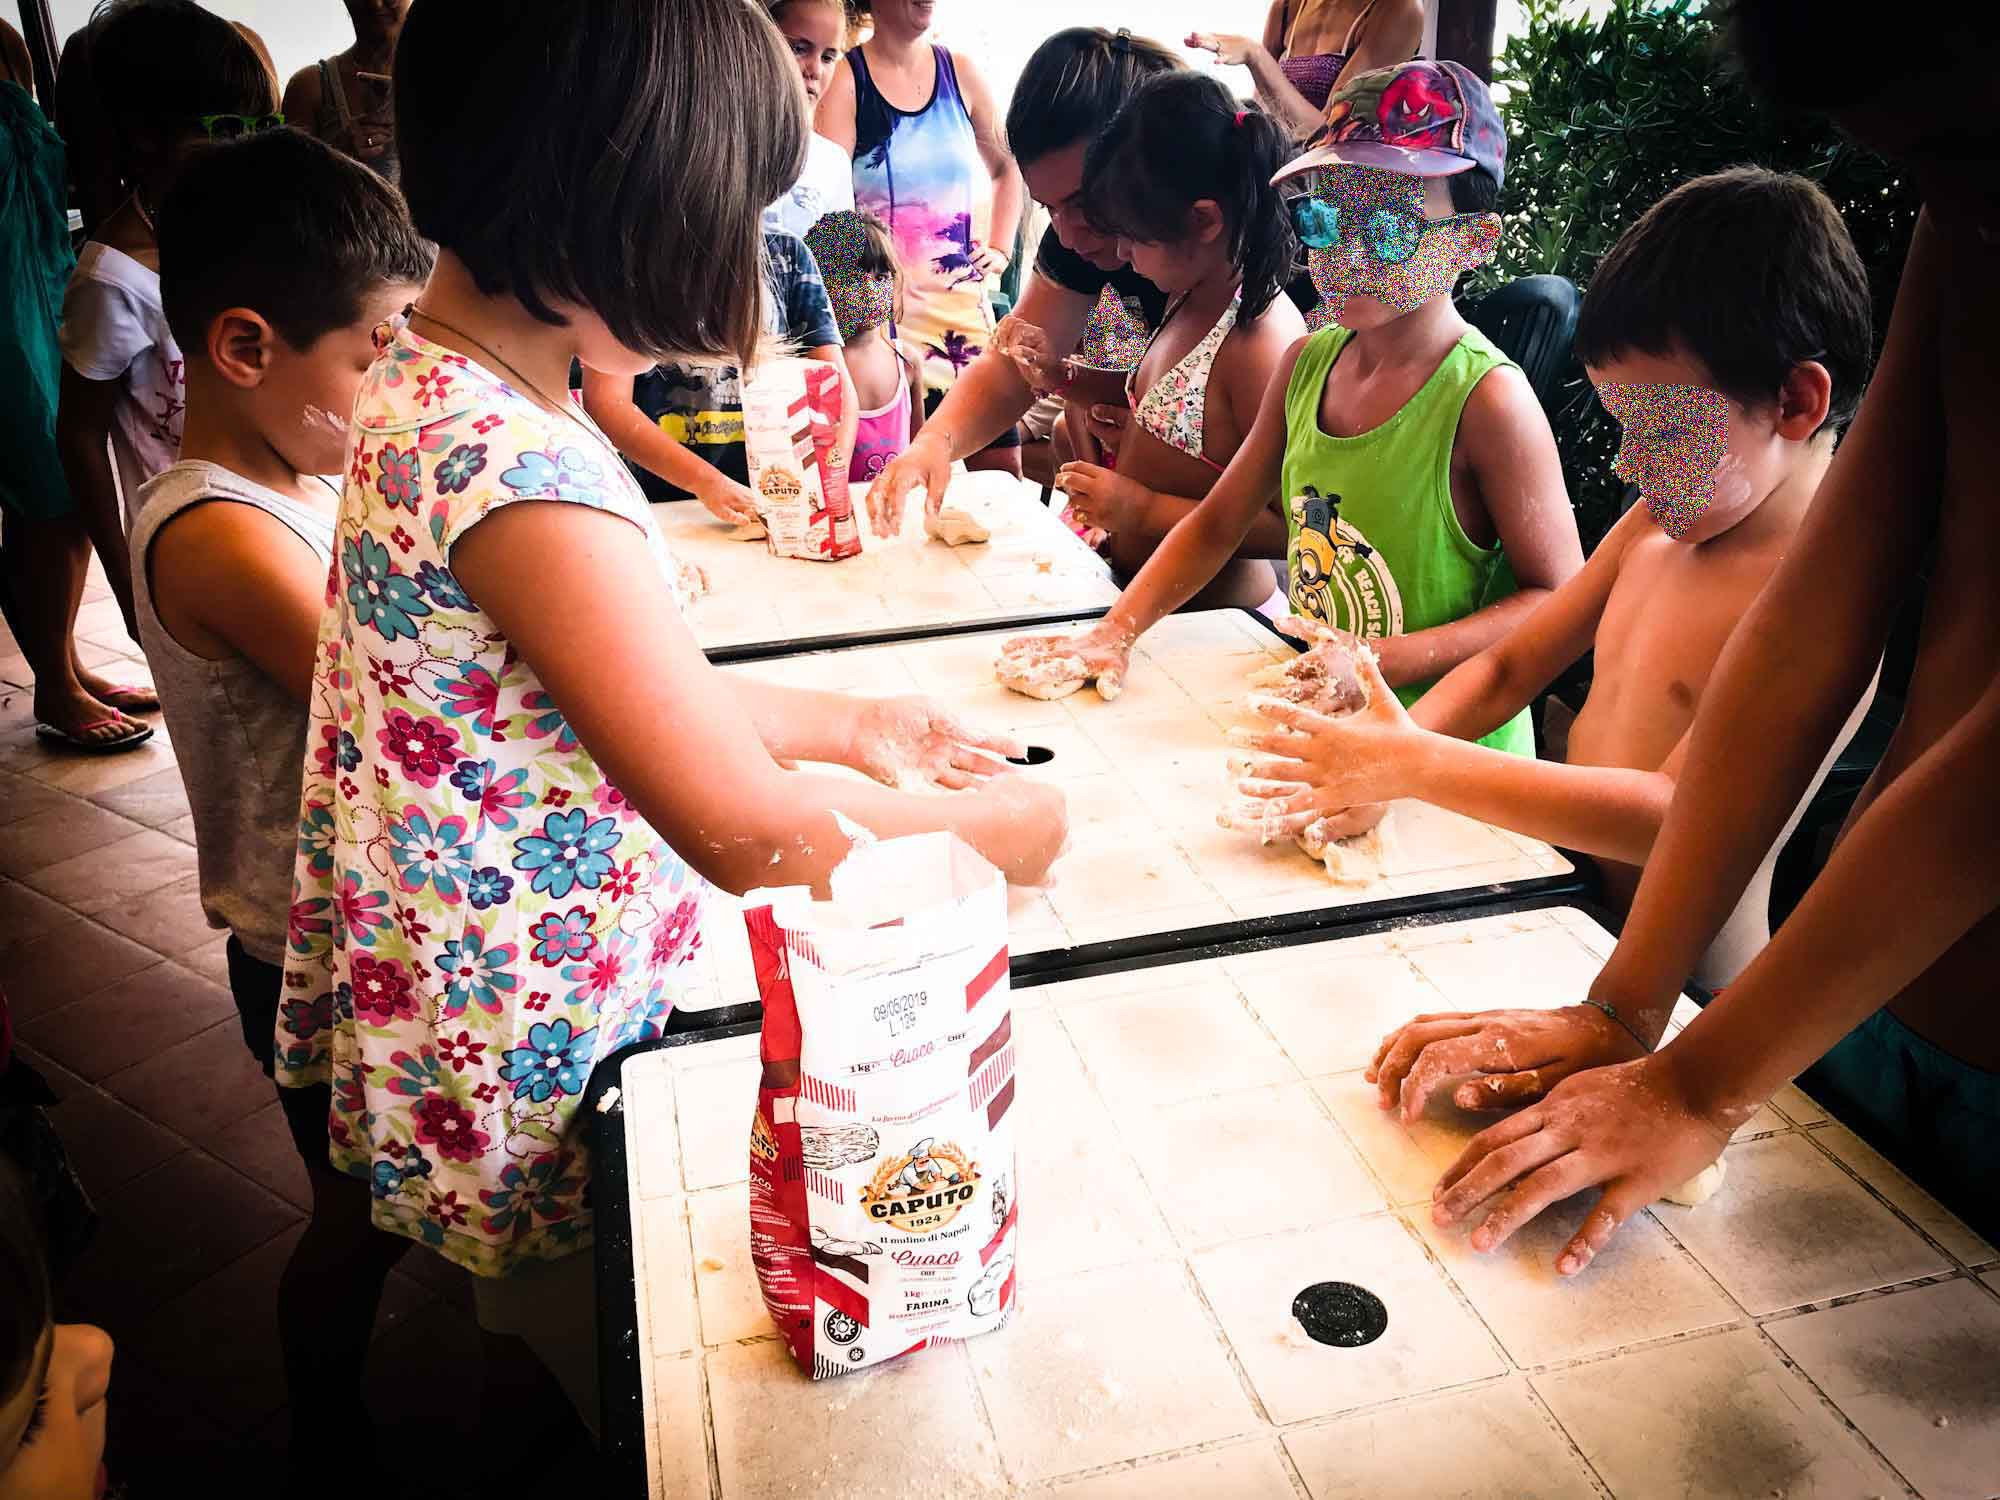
<point x="1233" y="50"/>
<point x="1035" y="360"/>
<point x="1500" y="1058"/>
<point x="1315" y="763"/>
<point x="925" y="465"/>
<point x="1634" y="1128"/>
<point x="899" y="737"/>
<point x="1100" y="654"/>
<point x="1102" y="498"/>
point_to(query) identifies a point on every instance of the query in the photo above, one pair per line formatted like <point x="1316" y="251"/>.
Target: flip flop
<point x="130" y="698"/>
<point x="50" y="735"/>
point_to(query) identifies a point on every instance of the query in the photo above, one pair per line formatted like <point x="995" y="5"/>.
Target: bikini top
<point x="1175" y="405"/>
<point x="1314" y="75"/>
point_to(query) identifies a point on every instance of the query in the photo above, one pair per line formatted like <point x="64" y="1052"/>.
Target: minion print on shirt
<point x="1336" y="576"/>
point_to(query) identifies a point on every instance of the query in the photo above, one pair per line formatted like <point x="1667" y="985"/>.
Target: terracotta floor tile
<point x="109" y="1143"/>
<point x="59" y="833"/>
<point x="181" y="828"/>
<point x="72" y="959"/>
<point x="114" y="874"/>
<point x="23" y="797"/>
<point x="85" y="775"/>
<point x="135" y="1019"/>
<point x="152" y="800"/>
<point x="166" y="1231"/>
<point x="169" y="920"/>
<point x="210" y="959"/>
<point x="26" y="914"/>
<point x="260" y="1147"/>
<point x="197" y="1087"/>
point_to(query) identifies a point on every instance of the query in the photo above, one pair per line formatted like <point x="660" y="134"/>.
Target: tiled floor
<point x="119" y="996"/>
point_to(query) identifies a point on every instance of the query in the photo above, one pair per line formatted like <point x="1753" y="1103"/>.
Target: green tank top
<point x="1376" y="548"/>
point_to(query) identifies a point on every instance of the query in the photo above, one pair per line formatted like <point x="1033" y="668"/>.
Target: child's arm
<point x="586" y="609"/>
<point x="85" y="410"/>
<point x="1783" y="686"/>
<point x="1193" y="552"/>
<point x="608" y="399"/>
<point x="230" y="579"/>
<point x="1009" y="193"/>
<point x="1511" y="454"/>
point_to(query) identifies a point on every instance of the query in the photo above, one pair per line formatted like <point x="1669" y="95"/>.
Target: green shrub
<point x="1604" y="117"/>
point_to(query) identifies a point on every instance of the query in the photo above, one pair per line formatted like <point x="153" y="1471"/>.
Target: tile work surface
<point x="1145" y="776"/>
<point x="1033" y="567"/>
<point x="1197" y="1145"/>
<point x="118" y="991"/>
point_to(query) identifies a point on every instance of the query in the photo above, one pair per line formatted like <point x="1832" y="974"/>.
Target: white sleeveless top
<point x="241" y="737"/>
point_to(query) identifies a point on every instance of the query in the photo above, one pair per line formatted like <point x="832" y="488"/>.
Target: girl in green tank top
<point x="1375" y="547"/>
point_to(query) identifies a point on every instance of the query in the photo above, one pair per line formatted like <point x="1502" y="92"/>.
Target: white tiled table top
<point x="1145" y="775"/>
<point x="1196" y="1146"/>
<point x="1033" y="566"/>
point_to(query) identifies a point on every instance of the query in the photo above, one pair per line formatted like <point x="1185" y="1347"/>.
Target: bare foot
<point x="85" y="721"/>
<point x="135" y="697"/>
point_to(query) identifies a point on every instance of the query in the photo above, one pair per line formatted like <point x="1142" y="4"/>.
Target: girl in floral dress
<point x="522" y="775"/>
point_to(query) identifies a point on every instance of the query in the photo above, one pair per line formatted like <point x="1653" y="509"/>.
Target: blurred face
<point x="813" y="31"/>
<point x="1702" y="462"/>
<point x="305" y="400"/>
<point x="1398" y="245"/>
<point x="1176" y="266"/>
<point x="52" y="1429"/>
<point x="377" y="17"/>
<point x="1056" y="182"/>
<point x="908" y="16"/>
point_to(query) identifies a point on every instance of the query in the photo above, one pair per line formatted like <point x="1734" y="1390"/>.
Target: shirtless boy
<point x="1728" y="332"/>
<point x="1884" y="975"/>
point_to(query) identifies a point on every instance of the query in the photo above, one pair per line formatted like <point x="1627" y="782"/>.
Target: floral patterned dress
<point x="477" y="914"/>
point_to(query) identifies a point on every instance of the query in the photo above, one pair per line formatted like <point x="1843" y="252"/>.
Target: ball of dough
<point x="1699" y="1188"/>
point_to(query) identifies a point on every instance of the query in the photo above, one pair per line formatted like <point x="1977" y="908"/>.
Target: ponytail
<point x="1181" y="139"/>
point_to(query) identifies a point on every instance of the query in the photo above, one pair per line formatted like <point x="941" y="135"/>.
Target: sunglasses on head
<point x="232" y="127"/>
<point x="1391" y="235"/>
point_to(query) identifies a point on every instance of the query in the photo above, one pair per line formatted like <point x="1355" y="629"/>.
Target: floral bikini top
<point x="1174" y="406"/>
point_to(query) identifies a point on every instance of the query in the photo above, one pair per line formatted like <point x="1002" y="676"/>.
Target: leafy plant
<point x="1605" y="115"/>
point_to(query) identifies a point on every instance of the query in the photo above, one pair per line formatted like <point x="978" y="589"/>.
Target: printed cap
<point x="1421" y="118"/>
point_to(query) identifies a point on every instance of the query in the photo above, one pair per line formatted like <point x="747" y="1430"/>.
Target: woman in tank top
<point x="344" y="100"/>
<point x="1308" y="44"/>
<point x="930" y="162"/>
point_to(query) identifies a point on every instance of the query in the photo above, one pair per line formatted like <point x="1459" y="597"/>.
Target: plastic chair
<point x="1533" y="322"/>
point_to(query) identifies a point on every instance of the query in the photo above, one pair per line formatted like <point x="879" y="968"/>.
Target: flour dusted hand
<point x="1054" y="666"/>
<point x="912" y="738"/>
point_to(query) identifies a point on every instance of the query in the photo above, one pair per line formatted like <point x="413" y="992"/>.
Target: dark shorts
<point x="1935" y="1117"/>
<point x="257" y="988"/>
<point x="1011" y="438"/>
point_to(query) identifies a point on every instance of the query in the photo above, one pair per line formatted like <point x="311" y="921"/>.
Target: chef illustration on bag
<point x="923" y="1170"/>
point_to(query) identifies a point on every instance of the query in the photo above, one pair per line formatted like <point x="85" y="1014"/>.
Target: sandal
<point x="76" y="742"/>
<point x="130" y="698"/>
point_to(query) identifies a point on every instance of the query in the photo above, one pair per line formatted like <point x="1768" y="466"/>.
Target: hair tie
<point x="1239" y="117"/>
<point x="1122" y="42"/>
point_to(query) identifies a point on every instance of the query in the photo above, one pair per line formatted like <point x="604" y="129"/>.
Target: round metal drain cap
<point x="1340" y="1313"/>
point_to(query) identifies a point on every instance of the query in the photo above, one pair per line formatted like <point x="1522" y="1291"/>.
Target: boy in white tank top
<point x="231" y="550"/>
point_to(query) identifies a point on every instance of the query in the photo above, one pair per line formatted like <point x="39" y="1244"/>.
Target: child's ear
<point x="1803" y="400"/>
<point x="240" y="346"/>
<point x="1205" y="221"/>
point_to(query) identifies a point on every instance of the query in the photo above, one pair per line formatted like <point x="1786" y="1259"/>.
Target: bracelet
<point x="1620" y="1020"/>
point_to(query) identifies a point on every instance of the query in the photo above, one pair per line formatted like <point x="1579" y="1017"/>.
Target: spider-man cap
<point x="1422" y="118"/>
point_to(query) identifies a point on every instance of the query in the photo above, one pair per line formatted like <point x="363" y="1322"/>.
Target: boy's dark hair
<point x="615" y="155"/>
<point x="1074" y="83"/>
<point x="288" y="227"/>
<point x="1799" y="54"/>
<point x="157" y="66"/>
<point x="1182" y="138"/>
<point x="1750" y="271"/>
<point x="1473" y="191"/>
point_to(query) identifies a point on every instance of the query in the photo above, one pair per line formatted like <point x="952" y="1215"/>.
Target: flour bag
<point x="791" y="426"/>
<point x="882" y="1204"/>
